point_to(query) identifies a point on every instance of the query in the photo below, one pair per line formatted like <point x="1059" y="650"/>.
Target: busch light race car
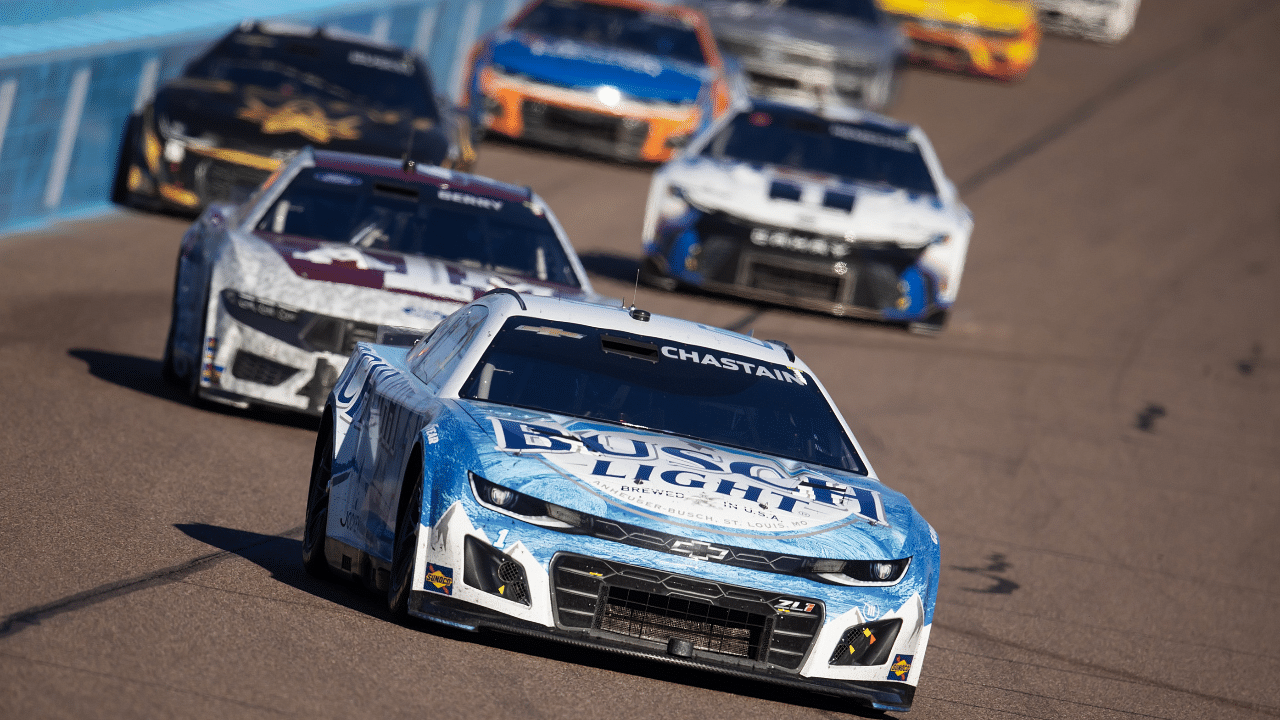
<point x="628" y="79"/>
<point x="628" y="482"/>
<point x="271" y="296"/>
<point x="265" y="91"/>
<point x="841" y="211"/>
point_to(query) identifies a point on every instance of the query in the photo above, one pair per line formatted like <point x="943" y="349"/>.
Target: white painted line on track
<point x="466" y="38"/>
<point x="71" y="115"/>
<point x="146" y="83"/>
<point x="8" y="91"/>
<point x="425" y="31"/>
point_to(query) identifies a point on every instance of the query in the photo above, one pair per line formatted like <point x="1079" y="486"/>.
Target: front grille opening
<point x="794" y="282"/>
<point x="659" y="618"/>
<point x="255" y="368"/>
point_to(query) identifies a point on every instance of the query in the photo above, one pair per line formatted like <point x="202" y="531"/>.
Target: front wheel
<point x="313" y="532"/>
<point x="405" y="553"/>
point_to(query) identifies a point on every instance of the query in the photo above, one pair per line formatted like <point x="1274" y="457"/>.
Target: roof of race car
<point x="836" y="113"/>
<point x="657" y="326"/>
<point x="423" y="174"/>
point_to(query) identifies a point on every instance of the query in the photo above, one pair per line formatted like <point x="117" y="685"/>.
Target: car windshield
<point x="864" y="10"/>
<point x="452" y="224"/>
<point x="614" y="26"/>
<point x="662" y="385"/>
<point x="322" y="68"/>
<point x="856" y="151"/>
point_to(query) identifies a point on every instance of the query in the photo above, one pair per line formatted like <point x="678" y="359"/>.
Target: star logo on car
<point x="699" y="550"/>
<point x="301" y="116"/>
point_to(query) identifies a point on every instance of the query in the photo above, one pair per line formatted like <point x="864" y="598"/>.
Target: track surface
<point x="1096" y="437"/>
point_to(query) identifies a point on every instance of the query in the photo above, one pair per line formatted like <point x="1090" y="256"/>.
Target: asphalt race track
<point x="1096" y="436"/>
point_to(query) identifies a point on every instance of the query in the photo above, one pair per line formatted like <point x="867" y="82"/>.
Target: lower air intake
<point x="656" y="617"/>
<point x="257" y="369"/>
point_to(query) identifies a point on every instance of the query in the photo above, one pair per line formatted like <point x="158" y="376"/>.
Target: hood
<point x="753" y="23"/>
<point x="379" y="287"/>
<point x="572" y="64"/>
<point x="224" y="115"/>
<point x="698" y="490"/>
<point x="879" y="212"/>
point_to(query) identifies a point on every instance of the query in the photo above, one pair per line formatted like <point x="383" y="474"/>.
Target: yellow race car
<point x="992" y="38"/>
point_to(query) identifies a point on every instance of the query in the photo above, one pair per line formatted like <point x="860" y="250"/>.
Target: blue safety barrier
<point x="68" y="82"/>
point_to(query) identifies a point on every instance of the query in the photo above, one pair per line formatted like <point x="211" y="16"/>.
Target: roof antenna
<point x="635" y="312"/>
<point x="408" y="164"/>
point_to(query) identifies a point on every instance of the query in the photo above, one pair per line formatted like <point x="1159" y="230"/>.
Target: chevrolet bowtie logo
<point x="301" y="116"/>
<point x="699" y="550"/>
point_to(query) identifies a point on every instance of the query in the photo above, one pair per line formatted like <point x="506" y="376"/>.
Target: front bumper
<point x="577" y="120"/>
<point x="670" y="609"/>
<point x="808" y="74"/>
<point x="972" y="51"/>
<point x="289" y="364"/>
<point x="719" y="253"/>
<point x="186" y="178"/>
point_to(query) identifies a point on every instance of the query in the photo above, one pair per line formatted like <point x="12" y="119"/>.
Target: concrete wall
<point x="68" y="83"/>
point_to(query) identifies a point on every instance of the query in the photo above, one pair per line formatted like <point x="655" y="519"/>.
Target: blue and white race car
<point x="629" y="482"/>
<point x="836" y="210"/>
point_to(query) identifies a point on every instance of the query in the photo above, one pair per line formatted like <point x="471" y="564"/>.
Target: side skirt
<point x="355" y="564"/>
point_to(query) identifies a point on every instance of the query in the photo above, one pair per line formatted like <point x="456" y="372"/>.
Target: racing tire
<point x="120" y="194"/>
<point x="931" y="326"/>
<point x="405" y="553"/>
<point x="197" y="367"/>
<point x="314" y="559"/>
<point x="167" y="369"/>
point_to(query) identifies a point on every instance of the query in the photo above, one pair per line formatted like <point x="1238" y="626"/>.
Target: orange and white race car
<point x="628" y="79"/>
<point x="993" y="38"/>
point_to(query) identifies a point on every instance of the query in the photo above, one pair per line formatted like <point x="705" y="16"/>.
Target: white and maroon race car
<point x="272" y="295"/>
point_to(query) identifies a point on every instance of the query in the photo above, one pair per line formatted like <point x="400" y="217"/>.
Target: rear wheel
<point x="405" y="553"/>
<point x="313" y="532"/>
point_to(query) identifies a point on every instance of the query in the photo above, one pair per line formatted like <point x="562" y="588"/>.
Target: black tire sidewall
<point x="317" y="514"/>
<point x="402" y="568"/>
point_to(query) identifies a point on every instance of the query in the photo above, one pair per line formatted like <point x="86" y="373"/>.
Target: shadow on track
<point x="609" y="265"/>
<point x="281" y="555"/>
<point x="143" y="375"/>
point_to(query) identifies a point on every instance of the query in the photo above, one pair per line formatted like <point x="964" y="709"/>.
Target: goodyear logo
<point x="901" y="667"/>
<point x="439" y="579"/>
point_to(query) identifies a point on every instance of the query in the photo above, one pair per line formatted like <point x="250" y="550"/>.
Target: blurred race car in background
<point x="628" y="79"/>
<point x="628" y="482"/>
<point x="994" y="38"/>
<point x="1101" y="20"/>
<point x="268" y="89"/>
<point x="811" y="52"/>
<point x="844" y="212"/>
<point x="271" y="296"/>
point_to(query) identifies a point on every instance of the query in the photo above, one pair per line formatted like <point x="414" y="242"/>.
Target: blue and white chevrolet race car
<point x="628" y="482"/>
